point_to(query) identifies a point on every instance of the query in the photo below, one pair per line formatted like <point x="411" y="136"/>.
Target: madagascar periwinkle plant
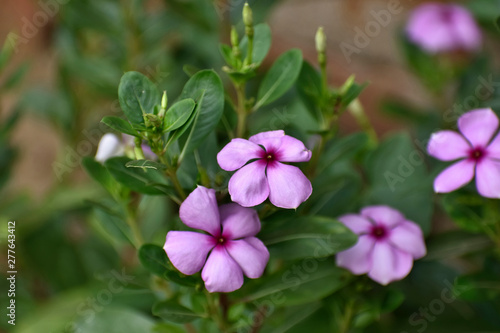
<point x="226" y="220"/>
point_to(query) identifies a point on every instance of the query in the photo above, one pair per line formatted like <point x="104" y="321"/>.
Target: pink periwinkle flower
<point x="111" y="146"/>
<point x="387" y="244"/>
<point x="439" y="27"/>
<point x="230" y="244"/>
<point x="475" y="151"/>
<point x="265" y="176"/>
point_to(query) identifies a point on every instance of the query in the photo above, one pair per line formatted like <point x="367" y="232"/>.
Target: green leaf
<point x="280" y="77"/>
<point x="115" y="320"/>
<point x="137" y="96"/>
<point x="146" y="164"/>
<point x="351" y="94"/>
<point x="300" y="283"/>
<point x="15" y="78"/>
<point x="120" y="125"/>
<point x="178" y="114"/>
<point x="261" y="43"/>
<point x="306" y="237"/>
<point x="98" y="172"/>
<point x="147" y="181"/>
<point x="154" y="258"/>
<point x="309" y="88"/>
<point x="227" y="54"/>
<point x="174" y="312"/>
<point x="398" y="178"/>
<point x="205" y="87"/>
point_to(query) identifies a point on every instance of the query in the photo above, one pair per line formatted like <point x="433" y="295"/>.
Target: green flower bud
<point x="164" y="100"/>
<point x="247" y="15"/>
<point x="235" y="41"/>
<point x="320" y="40"/>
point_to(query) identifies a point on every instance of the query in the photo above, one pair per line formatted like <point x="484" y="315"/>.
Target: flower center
<point x="476" y="154"/>
<point x="446" y="15"/>
<point x="379" y="232"/>
<point x="221" y="240"/>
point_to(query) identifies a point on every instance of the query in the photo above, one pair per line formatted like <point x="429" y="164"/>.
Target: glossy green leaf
<point x="98" y="172"/>
<point x="205" y="87"/>
<point x="171" y="311"/>
<point x="120" y="125"/>
<point x="280" y="77"/>
<point x="137" y="96"/>
<point x="115" y="320"/>
<point x="178" y="114"/>
<point x="147" y="181"/>
<point x="261" y="43"/>
<point x="154" y="258"/>
<point x="309" y="88"/>
<point x="306" y="237"/>
<point x="353" y="91"/>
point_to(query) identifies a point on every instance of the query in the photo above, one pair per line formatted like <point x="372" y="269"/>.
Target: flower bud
<point x="320" y="40"/>
<point x="247" y="15"/>
<point x="234" y="37"/>
<point x="164" y="100"/>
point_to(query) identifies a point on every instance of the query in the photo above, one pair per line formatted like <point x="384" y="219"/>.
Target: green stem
<point x="214" y="312"/>
<point x="345" y="325"/>
<point x="241" y="110"/>
<point x="132" y="222"/>
<point x="357" y="111"/>
<point x="172" y="174"/>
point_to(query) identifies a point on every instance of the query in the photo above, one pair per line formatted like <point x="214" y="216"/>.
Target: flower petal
<point x="357" y="259"/>
<point x="408" y="237"/>
<point x="389" y="264"/>
<point x="448" y="146"/>
<point x="251" y="254"/>
<point x="454" y="176"/>
<point x="188" y="250"/>
<point x="357" y="223"/>
<point x="237" y="153"/>
<point x="221" y="273"/>
<point x="288" y="186"/>
<point x="271" y="140"/>
<point x="238" y="222"/>
<point x="493" y="149"/>
<point x="292" y="150"/>
<point x="478" y="126"/>
<point x="200" y="211"/>
<point x="466" y="30"/>
<point x="248" y="186"/>
<point x="488" y="178"/>
<point x="383" y="215"/>
<point x="109" y="146"/>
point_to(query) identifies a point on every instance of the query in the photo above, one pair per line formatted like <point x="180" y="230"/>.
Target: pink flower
<point x="386" y="247"/>
<point x="438" y="27"/>
<point x="111" y="146"/>
<point x="476" y="151"/>
<point x="234" y="249"/>
<point x="285" y="185"/>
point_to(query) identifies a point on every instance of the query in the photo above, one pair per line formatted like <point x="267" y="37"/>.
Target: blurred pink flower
<point x="111" y="146"/>
<point x="285" y="185"/>
<point x="476" y="151"/>
<point x="234" y="249"/>
<point x="386" y="247"/>
<point x="439" y="27"/>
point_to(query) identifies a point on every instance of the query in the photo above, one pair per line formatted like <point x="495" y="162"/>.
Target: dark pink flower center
<point x="221" y="240"/>
<point x="379" y="232"/>
<point x="477" y="154"/>
<point x="269" y="157"/>
<point x="446" y="15"/>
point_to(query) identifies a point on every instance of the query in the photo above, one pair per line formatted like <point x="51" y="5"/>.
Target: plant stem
<point x="172" y="174"/>
<point x="132" y="222"/>
<point x="357" y="111"/>
<point x="345" y="325"/>
<point x="241" y="110"/>
<point x="215" y="313"/>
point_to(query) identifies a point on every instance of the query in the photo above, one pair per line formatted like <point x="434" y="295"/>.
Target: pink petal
<point x="237" y="153"/>
<point x="454" y="176"/>
<point x="488" y="178"/>
<point x="357" y="259"/>
<point x="493" y="149"/>
<point x="221" y="273"/>
<point x="478" y="126"/>
<point x="109" y="146"/>
<point x="408" y="237"/>
<point x="383" y="215"/>
<point x="188" y="250"/>
<point x="251" y="254"/>
<point x="200" y="211"/>
<point x="357" y="223"/>
<point x="270" y="140"/>
<point x="389" y="264"/>
<point x="448" y="146"/>
<point x="288" y="186"/>
<point x="292" y="150"/>
<point x="248" y="186"/>
<point x="238" y="222"/>
<point x="466" y="29"/>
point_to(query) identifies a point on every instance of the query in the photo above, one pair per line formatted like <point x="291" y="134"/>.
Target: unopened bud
<point x="164" y="100"/>
<point x="247" y="15"/>
<point x="234" y="37"/>
<point x="320" y="40"/>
